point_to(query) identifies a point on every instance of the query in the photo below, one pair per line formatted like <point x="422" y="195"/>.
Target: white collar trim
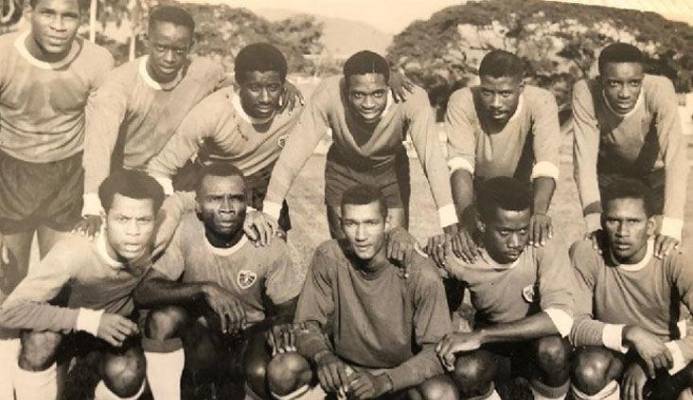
<point x="103" y="252"/>
<point x="518" y="109"/>
<point x="225" y="252"/>
<point x="639" y="265"/>
<point x="629" y="113"/>
<point x="495" y="265"/>
<point x="236" y="102"/>
<point x="151" y="82"/>
<point x="20" y="45"/>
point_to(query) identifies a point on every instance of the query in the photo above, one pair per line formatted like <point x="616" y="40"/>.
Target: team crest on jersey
<point x="528" y="294"/>
<point x="245" y="278"/>
<point x="281" y="141"/>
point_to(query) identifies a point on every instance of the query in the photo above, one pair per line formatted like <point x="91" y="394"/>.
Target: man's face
<point x="54" y="25"/>
<point x="364" y="226"/>
<point x="260" y="93"/>
<point x="222" y="204"/>
<point x="627" y="228"/>
<point x="129" y="227"/>
<point x="622" y="83"/>
<point x="168" y="46"/>
<point x="506" y="235"/>
<point x="367" y="96"/>
<point x="500" y="96"/>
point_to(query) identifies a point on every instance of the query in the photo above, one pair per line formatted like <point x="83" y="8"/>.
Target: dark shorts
<point x="35" y="194"/>
<point x="188" y="177"/>
<point x="392" y="179"/>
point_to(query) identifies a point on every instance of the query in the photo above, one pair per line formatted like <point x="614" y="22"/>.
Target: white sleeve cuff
<point x="88" y="320"/>
<point x="671" y="227"/>
<point x="561" y="319"/>
<point x="92" y="204"/>
<point x="593" y="222"/>
<point x="456" y="163"/>
<point x="447" y="215"/>
<point x="545" y="169"/>
<point x="272" y="209"/>
<point x="612" y="337"/>
<point x="165" y="183"/>
<point x="676" y="353"/>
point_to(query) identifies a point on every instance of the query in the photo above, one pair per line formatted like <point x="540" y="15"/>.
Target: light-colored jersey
<point x="526" y="147"/>
<point x="42" y="104"/>
<point x="250" y="273"/>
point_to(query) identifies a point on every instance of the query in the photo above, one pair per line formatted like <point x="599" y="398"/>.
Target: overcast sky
<point x="394" y="15"/>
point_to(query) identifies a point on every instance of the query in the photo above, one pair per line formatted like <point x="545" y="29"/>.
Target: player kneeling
<point x="369" y="331"/>
<point x="215" y="294"/>
<point x="100" y="276"/>
<point x="523" y="302"/>
<point x="630" y="302"/>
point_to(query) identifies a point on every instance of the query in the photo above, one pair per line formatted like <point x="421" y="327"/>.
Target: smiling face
<point x="364" y="227"/>
<point x="506" y="234"/>
<point x="367" y="96"/>
<point x="627" y="228"/>
<point x="622" y="83"/>
<point x="260" y="92"/>
<point x="222" y="204"/>
<point x="168" y="46"/>
<point x="54" y="26"/>
<point x="500" y="96"/>
<point x="129" y="227"/>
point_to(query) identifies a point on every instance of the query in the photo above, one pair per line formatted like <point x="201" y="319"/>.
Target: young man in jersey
<point x="99" y="277"/>
<point x="369" y="333"/>
<point x="245" y="126"/>
<point x="626" y="124"/>
<point x="629" y="304"/>
<point x="368" y="129"/>
<point x="215" y="293"/>
<point x="501" y="127"/>
<point x="522" y="296"/>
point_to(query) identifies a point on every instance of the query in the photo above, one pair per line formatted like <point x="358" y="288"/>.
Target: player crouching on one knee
<point x="522" y="298"/>
<point x="100" y="276"/>
<point x="629" y="302"/>
<point x="369" y="331"/>
<point x="215" y="294"/>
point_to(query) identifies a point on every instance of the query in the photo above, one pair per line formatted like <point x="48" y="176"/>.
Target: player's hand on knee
<point x="464" y="246"/>
<point x="114" y="329"/>
<point x="89" y="226"/>
<point x="598" y="238"/>
<point x="369" y="386"/>
<point x="332" y="372"/>
<point x="282" y="338"/>
<point x="291" y="97"/>
<point x="229" y="309"/>
<point x="650" y="348"/>
<point x="664" y="244"/>
<point x="400" y="86"/>
<point x="540" y="230"/>
<point x="457" y="342"/>
<point x="634" y="380"/>
<point x="260" y="227"/>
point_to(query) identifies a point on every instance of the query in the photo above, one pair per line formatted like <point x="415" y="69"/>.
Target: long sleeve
<point x="556" y="286"/>
<point x="547" y="138"/>
<point x="670" y="136"/>
<point x="27" y="306"/>
<point x="315" y="304"/>
<point x="461" y="142"/>
<point x="682" y="277"/>
<point x="424" y="135"/>
<point x="585" y="153"/>
<point x="305" y="137"/>
<point x="586" y="330"/>
<point x="431" y="323"/>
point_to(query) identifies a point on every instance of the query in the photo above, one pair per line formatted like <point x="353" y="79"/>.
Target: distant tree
<point x="303" y="31"/>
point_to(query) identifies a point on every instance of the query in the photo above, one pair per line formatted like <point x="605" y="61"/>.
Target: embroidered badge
<point x="245" y="278"/>
<point x="528" y="293"/>
<point x="281" y="141"/>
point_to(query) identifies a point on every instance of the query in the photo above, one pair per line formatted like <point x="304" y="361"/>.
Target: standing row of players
<point x="160" y="110"/>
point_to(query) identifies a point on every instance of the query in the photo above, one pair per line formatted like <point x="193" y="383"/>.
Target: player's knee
<point x="552" y="353"/>
<point x="38" y="350"/>
<point x="165" y="322"/>
<point x="591" y="369"/>
<point x="255" y="369"/>
<point x="124" y="373"/>
<point x="474" y="372"/>
<point x="439" y="387"/>
<point x="287" y="372"/>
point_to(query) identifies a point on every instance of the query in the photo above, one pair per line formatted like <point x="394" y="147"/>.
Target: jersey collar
<point x="151" y="82"/>
<point x="629" y="113"/>
<point x="639" y="265"/>
<point x="20" y="45"/>
<point x="225" y="252"/>
<point x="102" y="251"/>
<point x="236" y="102"/>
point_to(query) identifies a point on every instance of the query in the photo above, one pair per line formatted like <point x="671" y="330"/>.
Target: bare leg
<point x="19" y="246"/>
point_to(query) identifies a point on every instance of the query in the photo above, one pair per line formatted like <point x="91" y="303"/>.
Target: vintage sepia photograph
<point x="346" y="199"/>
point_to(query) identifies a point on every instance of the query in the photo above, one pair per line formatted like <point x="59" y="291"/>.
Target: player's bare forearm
<point x="543" y="192"/>
<point x="161" y="291"/>
<point x="532" y="327"/>
<point x="462" y="184"/>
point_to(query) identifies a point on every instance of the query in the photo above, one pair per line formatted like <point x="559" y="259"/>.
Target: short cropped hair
<point x="363" y="194"/>
<point x="500" y="64"/>
<point x="619" y="53"/>
<point x="629" y="188"/>
<point x="503" y="193"/>
<point x="366" y="62"/>
<point x="133" y="184"/>
<point x="173" y="14"/>
<point x="260" y="57"/>
<point x="218" y="168"/>
<point x="82" y="4"/>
